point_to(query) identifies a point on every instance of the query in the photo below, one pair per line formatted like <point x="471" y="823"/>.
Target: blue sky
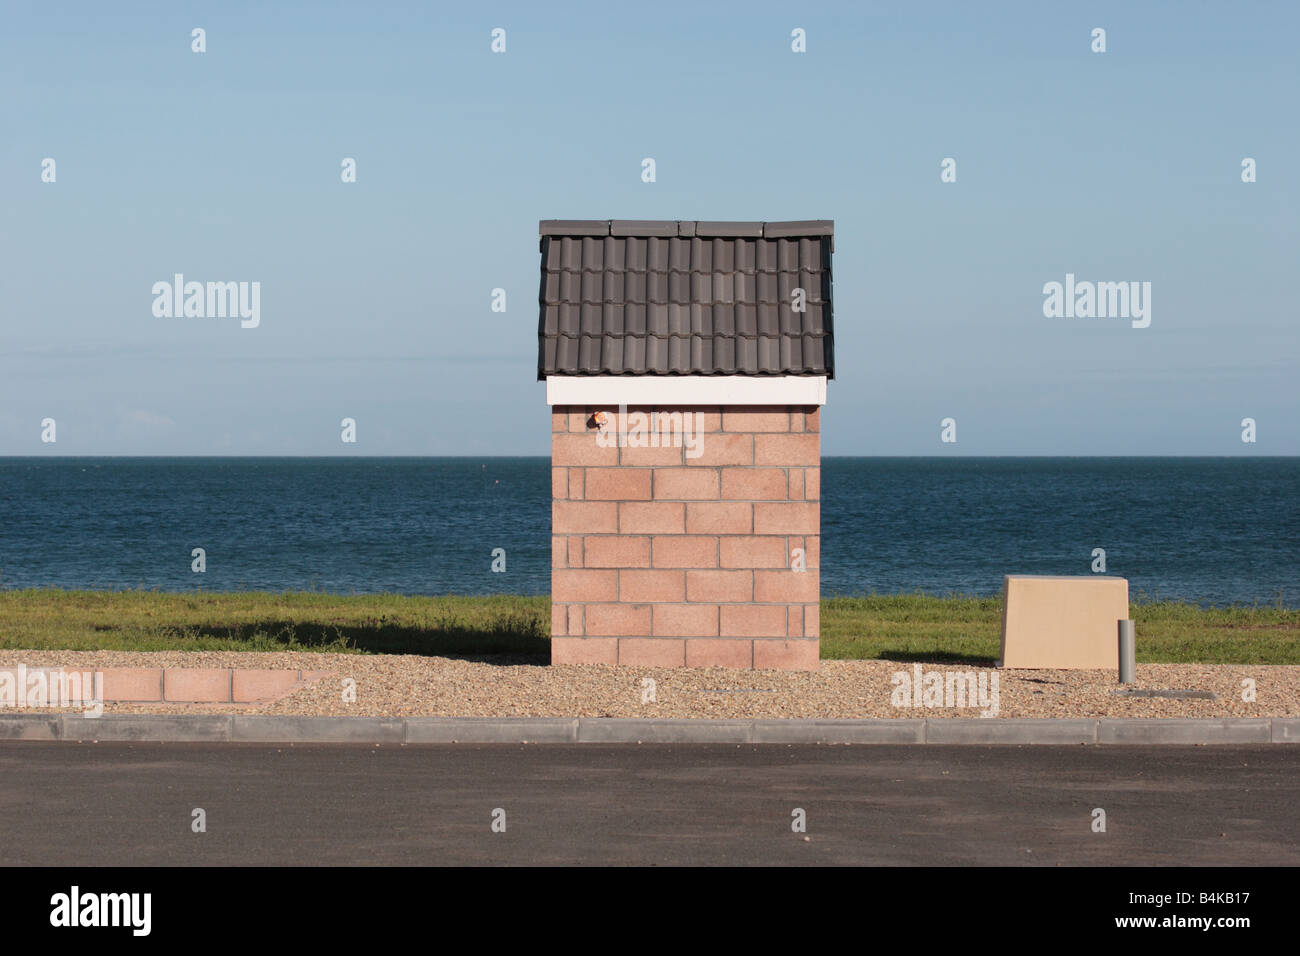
<point x="375" y="295"/>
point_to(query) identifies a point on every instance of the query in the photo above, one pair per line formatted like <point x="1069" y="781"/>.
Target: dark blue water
<point x="1215" y="530"/>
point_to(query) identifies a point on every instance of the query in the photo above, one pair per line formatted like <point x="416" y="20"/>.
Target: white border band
<point x="658" y="390"/>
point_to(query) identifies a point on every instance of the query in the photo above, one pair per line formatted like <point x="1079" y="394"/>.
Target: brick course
<point x="661" y="557"/>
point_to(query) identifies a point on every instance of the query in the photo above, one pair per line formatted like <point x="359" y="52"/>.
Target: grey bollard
<point x="1127" y="653"/>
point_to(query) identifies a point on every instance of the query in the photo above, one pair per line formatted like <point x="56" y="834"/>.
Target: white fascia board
<point x="659" y="390"/>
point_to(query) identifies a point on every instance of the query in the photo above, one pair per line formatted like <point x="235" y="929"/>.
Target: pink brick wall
<point x="663" y="559"/>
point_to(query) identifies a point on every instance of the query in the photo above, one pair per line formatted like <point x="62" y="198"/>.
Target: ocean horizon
<point x="1211" y="530"/>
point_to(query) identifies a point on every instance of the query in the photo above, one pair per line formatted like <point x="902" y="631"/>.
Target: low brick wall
<point x="668" y="560"/>
<point x="182" y="685"/>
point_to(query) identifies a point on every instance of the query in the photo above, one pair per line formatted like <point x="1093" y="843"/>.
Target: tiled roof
<point x="624" y="297"/>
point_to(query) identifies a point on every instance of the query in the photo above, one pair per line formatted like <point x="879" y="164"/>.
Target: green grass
<point x="260" y="621"/>
<point x="902" y="627"/>
<point x="914" y="627"/>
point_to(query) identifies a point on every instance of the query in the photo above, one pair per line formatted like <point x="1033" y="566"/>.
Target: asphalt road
<point x="73" y="804"/>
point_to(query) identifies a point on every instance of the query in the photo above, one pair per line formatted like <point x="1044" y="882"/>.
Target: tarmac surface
<point x="90" y="804"/>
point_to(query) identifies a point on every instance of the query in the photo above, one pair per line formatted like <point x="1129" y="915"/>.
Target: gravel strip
<point x="409" y="686"/>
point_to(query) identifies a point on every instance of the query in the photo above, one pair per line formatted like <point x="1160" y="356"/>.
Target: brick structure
<point x="659" y="559"/>
<point x="695" y="542"/>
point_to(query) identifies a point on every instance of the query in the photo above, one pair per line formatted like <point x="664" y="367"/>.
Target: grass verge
<point x="913" y="627"/>
<point x="902" y="627"/>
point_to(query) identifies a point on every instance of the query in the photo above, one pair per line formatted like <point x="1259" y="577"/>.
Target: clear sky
<point x="375" y="295"/>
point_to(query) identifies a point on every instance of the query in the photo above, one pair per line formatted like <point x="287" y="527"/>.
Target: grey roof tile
<point x="791" y="322"/>
<point x="642" y="227"/>
<point x="566" y="351"/>
<point x="679" y="257"/>
<point x="551" y="255"/>
<point x="724" y="354"/>
<point x="701" y="320"/>
<point x="813" y="320"/>
<point x="747" y="321"/>
<point x="656" y="354"/>
<point x="570" y="253"/>
<point x="817" y="349"/>
<point x="614" y="255"/>
<point x="589" y="354"/>
<point x="612" y="316"/>
<point x="787" y="254"/>
<point x="612" y="353"/>
<point x="724" y="318"/>
<point x="570" y="320"/>
<point x="679" y="320"/>
<point x="746" y="288"/>
<point x="702" y="287"/>
<point x="573" y="227"/>
<point x="802" y="227"/>
<point x="570" y="287"/>
<point x="634" y="318"/>
<point x="724" y="288"/>
<point x="724" y="256"/>
<point x="701" y="255"/>
<point x="615" y="288"/>
<point x="811" y="282"/>
<point x="679" y="287"/>
<point x="656" y="317"/>
<point x="701" y="351"/>
<point x="635" y="252"/>
<point x="657" y="254"/>
<point x="648" y="297"/>
<point x="724" y="321"/>
<point x="746" y="256"/>
<point x="791" y="347"/>
<point x="753" y="230"/>
<point x="679" y="352"/>
<point x="634" y="287"/>
<point x="633" y="352"/>
<point x="656" y="286"/>
<point x="810" y="254"/>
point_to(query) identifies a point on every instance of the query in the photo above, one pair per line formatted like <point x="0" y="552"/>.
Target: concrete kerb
<point x="616" y="730"/>
<point x="426" y="730"/>
<point x="29" y="727"/>
<point x="1176" y="730"/>
<point x="901" y="731"/>
<point x="1011" y="730"/>
<point x="491" y="730"/>
<point x="1285" y="730"/>
<point x="157" y="727"/>
<point x="331" y="730"/>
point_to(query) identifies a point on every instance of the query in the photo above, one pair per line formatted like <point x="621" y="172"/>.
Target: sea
<point x="1215" y="531"/>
